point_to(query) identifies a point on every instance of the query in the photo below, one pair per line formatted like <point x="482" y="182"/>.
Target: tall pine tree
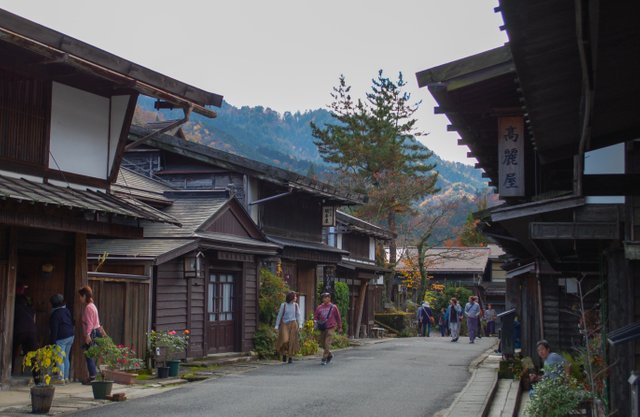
<point x="373" y="146"/>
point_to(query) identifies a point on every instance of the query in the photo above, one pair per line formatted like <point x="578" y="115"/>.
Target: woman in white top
<point x="288" y="322"/>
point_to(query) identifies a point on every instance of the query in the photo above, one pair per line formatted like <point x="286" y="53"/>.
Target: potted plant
<point x="120" y="367"/>
<point x="44" y="363"/>
<point x="106" y="355"/>
<point x="165" y="345"/>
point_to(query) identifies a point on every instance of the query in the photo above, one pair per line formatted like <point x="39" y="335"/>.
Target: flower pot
<point x="174" y="367"/>
<point x="101" y="389"/>
<point x="163" y="372"/>
<point x="41" y="399"/>
<point x="120" y="377"/>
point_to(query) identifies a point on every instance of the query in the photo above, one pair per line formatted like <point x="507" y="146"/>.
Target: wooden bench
<point x="378" y="332"/>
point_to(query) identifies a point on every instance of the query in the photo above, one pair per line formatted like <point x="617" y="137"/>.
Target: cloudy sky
<point x="284" y="54"/>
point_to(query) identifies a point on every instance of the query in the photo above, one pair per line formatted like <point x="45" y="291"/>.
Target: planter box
<point x="120" y="377"/>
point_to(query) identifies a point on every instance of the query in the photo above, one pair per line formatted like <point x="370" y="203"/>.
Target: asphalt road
<point x="402" y="377"/>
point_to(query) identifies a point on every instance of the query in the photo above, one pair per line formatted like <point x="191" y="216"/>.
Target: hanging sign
<point x="328" y="216"/>
<point x="511" y="156"/>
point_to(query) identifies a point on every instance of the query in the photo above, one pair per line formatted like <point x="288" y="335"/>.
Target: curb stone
<point x="462" y="400"/>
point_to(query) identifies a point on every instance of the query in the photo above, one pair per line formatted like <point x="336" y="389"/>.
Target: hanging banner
<point x="328" y="215"/>
<point x="511" y="156"/>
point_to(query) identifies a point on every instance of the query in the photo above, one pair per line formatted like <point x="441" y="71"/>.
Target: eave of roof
<point x="301" y="244"/>
<point x="70" y="51"/>
<point x="22" y="190"/>
<point x="365" y="227"/>
<point x="257" y="169"/>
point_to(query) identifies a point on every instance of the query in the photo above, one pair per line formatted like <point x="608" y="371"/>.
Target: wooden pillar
<point x="78" y="365"/>
<point x="361" y="296"/>
<point x="8" y="281"/>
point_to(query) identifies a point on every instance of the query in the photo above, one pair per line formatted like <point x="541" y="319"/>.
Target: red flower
<point x="187" y="332"/>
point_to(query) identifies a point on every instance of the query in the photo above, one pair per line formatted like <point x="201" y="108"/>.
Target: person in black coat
<point x="62" y="331"/>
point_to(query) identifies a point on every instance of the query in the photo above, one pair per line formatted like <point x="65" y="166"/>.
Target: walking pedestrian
<point x="288" y="322"/>
<point x="327" y="317"/>
<point x="426" y="318"/>
<point x="454" y="316"/>
<point x="490" y="319"/>
<point x="62" y="332"/>
<point x="91" y="327"/>
<point x="472" y="311"/>
<point x="442" y="322"/>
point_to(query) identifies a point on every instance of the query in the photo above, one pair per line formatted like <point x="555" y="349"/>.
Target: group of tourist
<point x="450" y="318"/>
<point x="61" y="328"/>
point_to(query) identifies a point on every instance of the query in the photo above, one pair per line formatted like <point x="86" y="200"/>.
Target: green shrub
<point x="265" y="341"/>
<point x="272" y="293"/>
<point x="408" y="332"/>
<point x="309" y="339"/>
<point x="342" y="301"/>
<point x="340" y="341"/>
<point x="555" y="397"/>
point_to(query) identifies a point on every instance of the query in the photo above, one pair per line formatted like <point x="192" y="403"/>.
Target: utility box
<point x="634" y="382"/>
<point x="507" y="333"/>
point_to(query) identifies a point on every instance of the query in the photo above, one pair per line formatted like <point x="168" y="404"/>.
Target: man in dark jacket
<point x="62" y="331"/>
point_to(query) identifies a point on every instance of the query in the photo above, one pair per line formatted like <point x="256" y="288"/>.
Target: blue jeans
<point x="426" y="328"/>
<point x="91" y="364"/>
<point x="65" y="345"/>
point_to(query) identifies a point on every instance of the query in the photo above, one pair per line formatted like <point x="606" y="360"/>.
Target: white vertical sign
<point x="511" y="156"/>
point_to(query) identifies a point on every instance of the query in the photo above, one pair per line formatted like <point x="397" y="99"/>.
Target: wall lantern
<point x="193" y="265"/>
<point x="47" y="270"/>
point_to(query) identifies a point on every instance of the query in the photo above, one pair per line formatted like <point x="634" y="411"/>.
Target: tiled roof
<point x="454" y="259"/>
<point x="265" y="172"/>
<point x="192" y="212"/>
<point x="142" y="248"/>
<point x="302" y="244"/>
<point x="363" y="226"/>
<point x="132" y="184"/>
<point x="23" y="190"/>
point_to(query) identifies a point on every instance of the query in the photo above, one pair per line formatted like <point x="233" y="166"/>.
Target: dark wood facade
<point x="577" y="97"/>
<point x="65" y="113"/>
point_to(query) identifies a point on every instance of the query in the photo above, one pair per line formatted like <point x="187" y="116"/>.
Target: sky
<point x="285" y="54"/>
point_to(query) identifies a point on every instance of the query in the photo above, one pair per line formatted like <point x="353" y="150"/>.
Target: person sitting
<point x="553" y="367"/>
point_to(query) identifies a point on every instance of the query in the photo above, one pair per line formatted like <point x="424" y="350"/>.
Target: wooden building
<point x="217" y="299"/>
<point x="561" y="146"/>
<point x="361" y="269"/>
<point x="287" y="207"/>
<point x="65" y="113"/>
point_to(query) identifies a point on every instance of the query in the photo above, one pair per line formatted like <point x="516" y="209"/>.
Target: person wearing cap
<point x="425" y="315"/>
<point x="327" y="318"/>
<point x="62" y="331"/>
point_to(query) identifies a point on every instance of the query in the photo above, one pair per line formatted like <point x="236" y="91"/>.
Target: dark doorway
<point x="222" y="311"/>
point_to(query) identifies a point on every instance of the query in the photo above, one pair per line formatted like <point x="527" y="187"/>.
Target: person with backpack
<point x="327" y="319"/>
<point x="288" y="322"/>
<point x="425" y="319"/>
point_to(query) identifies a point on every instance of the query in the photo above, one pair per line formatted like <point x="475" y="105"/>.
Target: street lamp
<point x="193" y="265"/>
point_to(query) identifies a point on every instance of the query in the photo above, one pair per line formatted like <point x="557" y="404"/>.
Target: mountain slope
<point x="285" y="140"/>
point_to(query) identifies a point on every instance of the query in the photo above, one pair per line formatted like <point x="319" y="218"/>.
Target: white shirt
<point x="289" y="312"/>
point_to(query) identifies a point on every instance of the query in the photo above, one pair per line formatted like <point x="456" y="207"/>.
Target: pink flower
<point x="172" y="332"/>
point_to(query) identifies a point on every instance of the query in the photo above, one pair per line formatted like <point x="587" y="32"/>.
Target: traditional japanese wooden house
<point x="561" y="145"/>
<point x="204" y="275"/>
<point x="290" y="209"/>
<point x="65" y="112"/>
<point x="362" y="268"/>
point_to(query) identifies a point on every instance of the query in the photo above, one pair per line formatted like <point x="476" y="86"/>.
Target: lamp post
<point x="193" y="265"/>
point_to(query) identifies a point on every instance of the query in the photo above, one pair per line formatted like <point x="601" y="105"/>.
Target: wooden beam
<point x="9" y="284"/>
<point x="611" y="184"/>
<point x="574" y="231"/>
<point x="470" y="155"/>
<point x="452" y="128"/>
<point x="461" y="142"/>
<point x="361" y="296"/>
<point x="80" y="279"/>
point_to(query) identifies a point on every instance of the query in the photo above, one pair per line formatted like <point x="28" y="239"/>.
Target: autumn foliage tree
<point x="373" y="145"/>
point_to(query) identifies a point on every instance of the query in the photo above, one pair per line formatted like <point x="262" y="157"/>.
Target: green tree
<point x="373" y="146"/>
